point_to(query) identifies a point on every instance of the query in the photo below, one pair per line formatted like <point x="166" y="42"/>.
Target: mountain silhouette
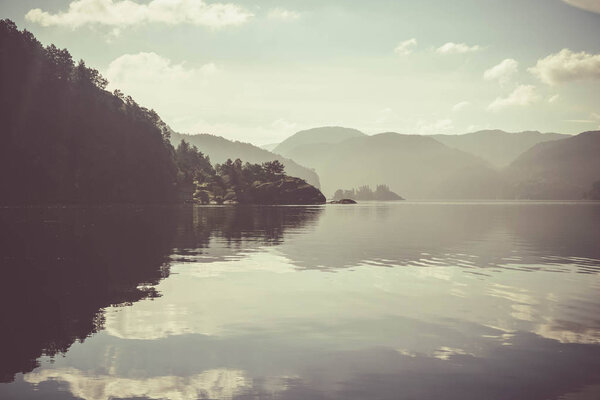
<point x="560" y="169"/>
<point x="316" y="136"/>
<point x="418" y="167"/>
<point x="497" y="147"/>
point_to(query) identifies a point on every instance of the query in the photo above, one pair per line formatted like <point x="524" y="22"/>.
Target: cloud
<point x="125" y="13"/>
<point x="151" y="69"/>
<point x="457" y="48"/>
<point x="407" y="47"/>
<point x="175" y="90"/>
<point x="460" y="106"/>
<point x="523" y="95"/>
<point x="554" y="98"/>
<point x="502" y="72"/>
<point x="436" y="127"/>
<point x="566" y="66"/>
<point x="281" y="14"/>
<point x="588" y="5"/>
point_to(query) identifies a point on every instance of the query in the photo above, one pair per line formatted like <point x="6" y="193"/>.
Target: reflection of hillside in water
<point x="62" y="266"/>
<point x="249" y="313"/>
<point x="215" y="233"/>
<point x="517" y="235"/>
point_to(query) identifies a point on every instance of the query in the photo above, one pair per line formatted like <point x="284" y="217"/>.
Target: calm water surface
<point x="373" y="301"/>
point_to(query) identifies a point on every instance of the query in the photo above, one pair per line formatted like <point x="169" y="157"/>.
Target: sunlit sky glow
<point x="260" y="70"/>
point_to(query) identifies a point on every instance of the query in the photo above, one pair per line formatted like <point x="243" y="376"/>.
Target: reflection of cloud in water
<point x="264" y="292"/>
<point x="445" y="353"/>
<point x="211" y="384"/>
<point x="570" y="332"/>
<point x="200" y="299"/>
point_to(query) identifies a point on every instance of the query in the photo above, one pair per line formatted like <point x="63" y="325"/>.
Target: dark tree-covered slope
<point x="66" y="139"/>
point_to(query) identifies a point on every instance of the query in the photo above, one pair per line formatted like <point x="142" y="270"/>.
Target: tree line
<point x="200" y="182"/>
<point x="66" y="139"/>
<point x="365" y="193"/>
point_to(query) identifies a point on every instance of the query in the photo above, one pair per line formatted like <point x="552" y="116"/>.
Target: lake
<point x="408" y="300"/>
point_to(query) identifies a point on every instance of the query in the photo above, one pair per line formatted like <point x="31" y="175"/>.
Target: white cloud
<point x="502" y="72"/>
<point x="566" y="66"/>
<point x="460" y="106"/>
<point x="407" y="47"/>
<point x="523" y="95"/>
<point x="175" y="90"/>
<point x="553" y="99"/>
<point x="588" y="5"/>
<point x="124" y="13"/>
<point x="457" y="48"/>
<point x="283" y="15"/>
<point x="151" y="69"/>
<point x="437" y="127"/>
<point x="226" y="100"/>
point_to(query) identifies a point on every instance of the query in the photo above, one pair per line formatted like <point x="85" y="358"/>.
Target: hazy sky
<point x="260" y="70"/>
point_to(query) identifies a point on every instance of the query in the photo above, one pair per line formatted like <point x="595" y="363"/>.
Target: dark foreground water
<point x="373" y="301"/>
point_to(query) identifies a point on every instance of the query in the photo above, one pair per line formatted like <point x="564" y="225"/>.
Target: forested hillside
<point x="66" y="139"/>
<point x="219" y="150"/>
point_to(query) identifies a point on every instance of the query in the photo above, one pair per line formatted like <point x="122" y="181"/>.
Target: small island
<point x="234" y="182"/>
<point x="365" y="193"/>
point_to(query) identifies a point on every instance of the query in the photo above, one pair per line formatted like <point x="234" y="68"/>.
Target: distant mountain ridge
<point x="269" y="146"/>
<point x="321" y="135"/>
<point x="490" y="164"/>
<point x="220" y="149"/>
<point x="560" y="169"/>
<point x="497" y="147"/>
<point x="419" y="167"/>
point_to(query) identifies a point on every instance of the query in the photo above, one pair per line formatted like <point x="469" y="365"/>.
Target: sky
<point x="260" y="70"/>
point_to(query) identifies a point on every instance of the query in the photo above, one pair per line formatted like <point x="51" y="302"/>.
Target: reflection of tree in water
<point x="62" y="266"/>
<point x="239" y="226"/>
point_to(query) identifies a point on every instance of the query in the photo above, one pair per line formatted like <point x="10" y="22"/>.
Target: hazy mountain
<point x="497" y="147"/>
<point x="322" y="135"/>
<point x="413" y="166"/>
<point x="269" y="147"/>
<point x="560" y="169"/>
<point x="220" y="149"/>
